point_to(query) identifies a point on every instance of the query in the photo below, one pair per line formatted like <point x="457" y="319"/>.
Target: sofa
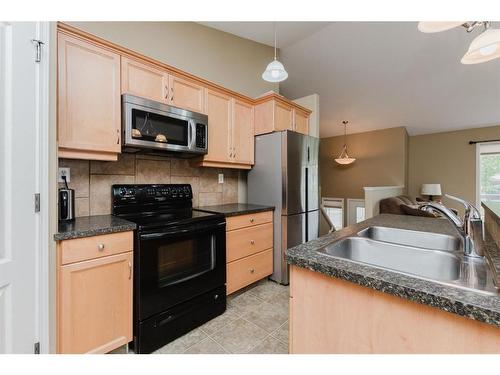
<point x="403" y="205"/>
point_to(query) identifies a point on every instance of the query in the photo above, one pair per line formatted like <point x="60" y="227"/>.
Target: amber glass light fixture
<point x="344" y="157"/>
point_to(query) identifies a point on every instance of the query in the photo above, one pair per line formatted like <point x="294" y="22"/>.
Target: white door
<point x="20" y="168"/>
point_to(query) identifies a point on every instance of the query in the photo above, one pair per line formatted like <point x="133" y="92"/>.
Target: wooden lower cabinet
<point x="249" y="249"/>
<point x="94" y="300"/>
<point x="329" y="315"/>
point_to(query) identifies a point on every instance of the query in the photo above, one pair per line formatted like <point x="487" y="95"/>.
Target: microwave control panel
<point x="201" y="136"/>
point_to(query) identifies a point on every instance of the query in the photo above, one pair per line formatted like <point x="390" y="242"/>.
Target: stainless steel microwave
<point x="152" y="127"/>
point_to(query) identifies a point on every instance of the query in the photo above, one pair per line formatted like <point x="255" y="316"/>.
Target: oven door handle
<point x="155" y="236"/>
<point x="176" y="232"/>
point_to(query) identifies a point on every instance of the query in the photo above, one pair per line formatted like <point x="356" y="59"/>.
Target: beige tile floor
<point x="256" y="321"/>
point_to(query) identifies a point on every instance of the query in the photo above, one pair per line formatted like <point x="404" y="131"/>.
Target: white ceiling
<point x="263" y="32"/>
<point x="383" y="74"/>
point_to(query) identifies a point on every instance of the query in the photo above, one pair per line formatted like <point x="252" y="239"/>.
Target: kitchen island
<point x="340" y="306"/>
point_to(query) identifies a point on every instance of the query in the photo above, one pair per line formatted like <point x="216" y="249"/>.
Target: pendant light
<point x="275" y="71"/>
<point x="436" y="27"/>
<point x="344" y="158"/>
<point x="484" y="47"/>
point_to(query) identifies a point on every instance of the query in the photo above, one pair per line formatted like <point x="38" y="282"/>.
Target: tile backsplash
<point x="92" y="180"/>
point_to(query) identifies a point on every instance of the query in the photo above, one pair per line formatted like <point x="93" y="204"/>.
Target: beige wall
<point x="92" y="180"/>
<point x="381" y="161"/>
<point x="448" y="159"/>
<point x="222" y="58"/>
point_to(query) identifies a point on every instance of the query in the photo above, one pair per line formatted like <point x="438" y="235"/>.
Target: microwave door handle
<point x="190" y="134"/>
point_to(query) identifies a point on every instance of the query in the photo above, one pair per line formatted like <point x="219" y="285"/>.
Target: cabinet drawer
<point x="243" y="272"/>
<point x="242" y="221"/>
<point x="247" y="241"/>
<point x="79" y="249"/>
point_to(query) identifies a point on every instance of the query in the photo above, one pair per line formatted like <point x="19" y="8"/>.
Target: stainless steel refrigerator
<point x="285" y="175"/>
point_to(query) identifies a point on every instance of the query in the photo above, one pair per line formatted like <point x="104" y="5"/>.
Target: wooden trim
<point x="87" y="154"/>
<point x="282" y="99"/>
<point x="216" y="164"/>
<point x="67" y="29"/>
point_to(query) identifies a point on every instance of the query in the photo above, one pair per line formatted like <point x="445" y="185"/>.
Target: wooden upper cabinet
<point x="243" y="133"/>
<point x="186" y="94"/>
<point x="283" y="116"/>
<point x="230" y="132"/>
<point x="301" y="121"/>
<point x="89" y="119"/>
<point x="276" y="113"/>
<point x="218" y="109"/>
<point x="144" y="80"/>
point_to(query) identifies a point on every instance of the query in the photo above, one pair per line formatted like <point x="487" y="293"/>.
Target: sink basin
<point x="429" y="264"/>
<point x="413" y="238"/>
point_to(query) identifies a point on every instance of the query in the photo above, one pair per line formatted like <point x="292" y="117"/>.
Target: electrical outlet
<point x="221" y="178"/>
<point x="64" y="172"/>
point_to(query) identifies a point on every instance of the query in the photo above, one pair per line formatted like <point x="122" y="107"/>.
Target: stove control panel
<point x="136" y="194"/>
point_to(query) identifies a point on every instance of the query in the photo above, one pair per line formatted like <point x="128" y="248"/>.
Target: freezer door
<point x="294" y="172"/>
<point x="312" y="174"/>
<point x="312" y="225"/>
<point x="293" y="233"/>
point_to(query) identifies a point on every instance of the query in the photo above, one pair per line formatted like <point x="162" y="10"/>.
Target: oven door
<point x="177" y="264"/>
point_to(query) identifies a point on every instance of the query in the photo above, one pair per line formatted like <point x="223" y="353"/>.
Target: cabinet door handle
<point x="252" y="220"/>
<point x="117" y="136"/>
<point x="129" y="270"/>
<point x="172" y="91"/>
<point x="100" y="247"/>
<point x="252" y="242"/>
<point x="252" y="270"/>
<point x="166" y="92"/>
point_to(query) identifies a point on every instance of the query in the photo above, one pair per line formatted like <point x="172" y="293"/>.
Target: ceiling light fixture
<point x="344" y="158"/>
<point x="484" y="47"/>
<point x="275" y="71"/>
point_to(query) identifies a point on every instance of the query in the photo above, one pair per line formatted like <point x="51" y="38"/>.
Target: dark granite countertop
<point x="493" y="208"/>
<point x="464" y="302"/>
<point x="88" y="226"/>
<point x="235" y="209"/>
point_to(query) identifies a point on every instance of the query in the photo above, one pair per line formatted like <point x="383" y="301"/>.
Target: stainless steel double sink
<point x="429" y="256"/>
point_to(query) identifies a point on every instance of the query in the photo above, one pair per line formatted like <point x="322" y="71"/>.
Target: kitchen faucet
<point x="470" y="228"/>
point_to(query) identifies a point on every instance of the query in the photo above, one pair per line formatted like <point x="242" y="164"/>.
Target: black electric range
<point x="179" y="262"/>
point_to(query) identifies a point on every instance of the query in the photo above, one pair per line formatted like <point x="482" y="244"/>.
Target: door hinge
<point x="36" y="348"/>
<point x="37" y="202"/>
<point x="38" y="44"/>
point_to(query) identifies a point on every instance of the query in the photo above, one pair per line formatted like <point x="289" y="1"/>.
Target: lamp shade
<point x="275" y="72"/>
<point x="436" y="27"/>
<point x="431" y="189"/>
<point x="484" y="47"/>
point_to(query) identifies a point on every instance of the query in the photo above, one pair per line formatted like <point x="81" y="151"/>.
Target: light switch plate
<point x="64" y="171"/>
<point x="221" y="178"/>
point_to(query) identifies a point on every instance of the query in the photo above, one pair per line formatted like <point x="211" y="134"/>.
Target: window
<point x="488" y="173"/>
<point x="334" y="208"/>
<point x="490" y="176"/>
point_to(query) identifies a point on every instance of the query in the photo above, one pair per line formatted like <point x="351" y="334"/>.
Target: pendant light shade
<point x="275" y="71"/>
<point x="484" y="47"/>
<point x="344" y="157"/>
<point x="436" y="27"/>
